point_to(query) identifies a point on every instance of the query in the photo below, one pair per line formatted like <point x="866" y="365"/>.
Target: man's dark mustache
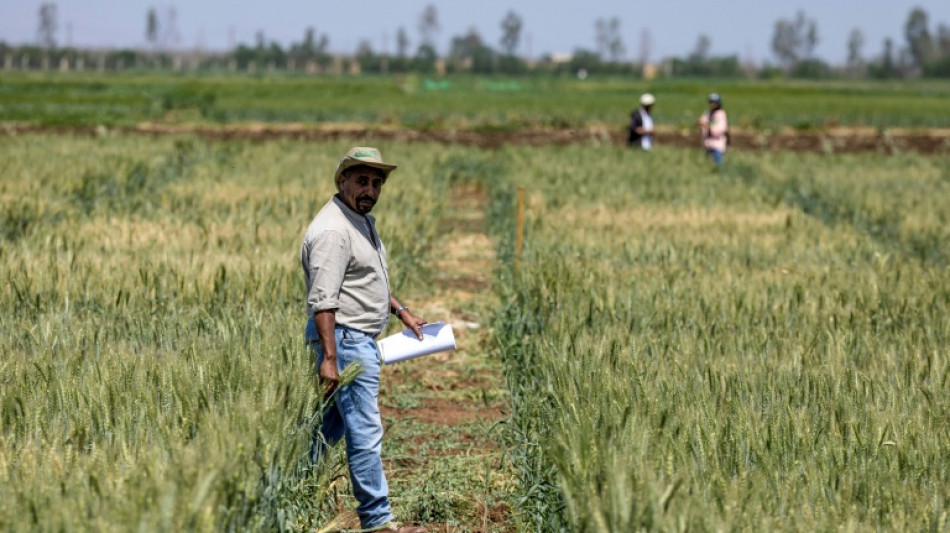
<point x="369" y="199"/>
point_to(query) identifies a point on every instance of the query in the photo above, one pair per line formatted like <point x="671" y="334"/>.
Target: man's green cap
<point x="362" y="155"/>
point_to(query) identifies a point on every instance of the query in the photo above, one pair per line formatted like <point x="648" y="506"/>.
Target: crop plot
<point x="680" y="349"/>
<point x="760" y="350"/>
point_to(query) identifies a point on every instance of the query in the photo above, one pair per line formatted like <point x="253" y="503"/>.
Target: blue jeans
<point x="354" y="416"/>
<point x="716" y="155"/>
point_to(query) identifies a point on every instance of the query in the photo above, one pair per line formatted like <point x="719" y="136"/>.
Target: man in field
<point x="348" y="302"/>
<point x="641" y="124"/>
<point x="714" y="126"/>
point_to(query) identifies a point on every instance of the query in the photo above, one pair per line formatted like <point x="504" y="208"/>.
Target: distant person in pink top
<point x="715" y="128"/>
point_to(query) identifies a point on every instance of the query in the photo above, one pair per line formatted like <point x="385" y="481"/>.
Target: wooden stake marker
<point x="520" y="224"/>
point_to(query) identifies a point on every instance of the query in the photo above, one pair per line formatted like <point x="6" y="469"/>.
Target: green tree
<point x="943" y="40"/>
<point x="701" y="50"/>
<point x="919" y="41"/>
<point x="939" y="66"/>
<point x="311" y="48"/>
<point x="812" y="68"/>
<point x="464" y="46"/>
<point x="424" y="61"/>
<point x="510" y="32"/>
<point x="701" y="63"/>
<point x="469" y="52"/>
<point x="855" y="44"/>
<point x="794" y="40"/>
<point x="48" y="24"/>
<point x="306" y="49"/>
<point x="151" y="27"/>
<point x="811" y="38"/>
<point x="369" y="60"/>
<point x="429" y="26"/>
<point x="785" y="42"/>
<point x="609" y="41"/>
<point x="509" y="64"/>
<point x="885" y="68"/>
<point x="276" y="55"/>
<point x="402" y="42"/>
<point x="586" y="60"/>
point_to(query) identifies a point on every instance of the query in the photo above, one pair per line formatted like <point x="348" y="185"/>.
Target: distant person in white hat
<point x="641" y="124"/>
<point x="714" y="126"/>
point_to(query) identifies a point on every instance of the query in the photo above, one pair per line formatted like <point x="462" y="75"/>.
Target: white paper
<point x="436" y="337"/>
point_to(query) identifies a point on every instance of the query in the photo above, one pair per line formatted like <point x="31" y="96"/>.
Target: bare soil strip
<point x="438" y="410"/>
<point x="831" y="140"/>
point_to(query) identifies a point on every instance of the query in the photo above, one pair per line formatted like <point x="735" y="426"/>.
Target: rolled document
<point x="436" y="337"/>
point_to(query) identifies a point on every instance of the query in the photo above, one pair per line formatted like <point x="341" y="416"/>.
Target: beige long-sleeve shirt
<point x="344" y="265"/>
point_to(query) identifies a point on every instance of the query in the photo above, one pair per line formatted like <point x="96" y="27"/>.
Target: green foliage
<point x="938" y="68"/>
<point x="153" y="373"/>
<point x="86" y="99"/>
<point x="719" y="67"/>
<point x="188" y="97"/>
<point x="760" y="351"/>
<point x="811" y="69"/>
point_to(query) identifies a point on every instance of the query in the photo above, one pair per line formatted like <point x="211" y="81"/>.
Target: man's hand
<point x="329" y="376"/>
<point x="412" y="322"/>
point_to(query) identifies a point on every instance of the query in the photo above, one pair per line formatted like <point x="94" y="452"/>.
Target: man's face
<point x="360" y="188"/>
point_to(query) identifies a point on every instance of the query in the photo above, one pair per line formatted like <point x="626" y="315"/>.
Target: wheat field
<point x="759" y="349"/>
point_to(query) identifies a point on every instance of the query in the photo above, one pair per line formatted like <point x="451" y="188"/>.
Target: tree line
<point x="925" y="53"/>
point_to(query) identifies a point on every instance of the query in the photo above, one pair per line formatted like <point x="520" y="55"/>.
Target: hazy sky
<point x="742" y="27"/>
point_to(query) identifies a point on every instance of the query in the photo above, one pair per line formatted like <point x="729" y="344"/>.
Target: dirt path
<point x="440" y="452"/>
<point x="830" y="140"/>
